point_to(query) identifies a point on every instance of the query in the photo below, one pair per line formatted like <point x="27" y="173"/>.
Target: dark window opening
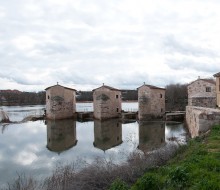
<point x="161" y="96"/>
<point x="117" y="96"/>
<point x="161" y="109"/>
<point x="117" y="110"/>
<point x="117" y="138"/>
<point x="48" y="97"/>
<point x="208" y="89"/>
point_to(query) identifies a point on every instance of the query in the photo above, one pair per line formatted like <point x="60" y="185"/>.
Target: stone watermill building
<point x="106" y="102"/>
<point x="217" y="76"/>
<point x="202" y="93"/>
<point x="60" y="102"/>
<point x="151" y="102"/>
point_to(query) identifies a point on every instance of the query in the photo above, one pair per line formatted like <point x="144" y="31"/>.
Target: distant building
<point x="151" y="135"/>
<point x="107" y="134"/>
<point x="61" y="135"/>
<point x="60" y="102"/>
<point x="106" y="102"/>
<point x="217" y="76"/>
<point x="202" y="93"/>
<point x="151" y="102"/>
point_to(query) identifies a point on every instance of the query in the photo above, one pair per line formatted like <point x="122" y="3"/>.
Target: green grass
<point x="195" y="166"/>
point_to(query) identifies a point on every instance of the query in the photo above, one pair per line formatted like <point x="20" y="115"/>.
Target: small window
<point x="117" y="109"/>
<point x="161" y="110"/>
<point x="161" y="96"/>
<point x="208" y="89"/>
<point x="116" y="96"/>
<point x="48" y="97"/>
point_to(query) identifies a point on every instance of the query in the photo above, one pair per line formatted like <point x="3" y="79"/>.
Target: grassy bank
<point x="196" y="166"/>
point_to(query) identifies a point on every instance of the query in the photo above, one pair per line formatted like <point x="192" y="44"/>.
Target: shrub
<point x="178" y="177"/>
<point x="148" y="181"/>
<point x="118" y="184"/>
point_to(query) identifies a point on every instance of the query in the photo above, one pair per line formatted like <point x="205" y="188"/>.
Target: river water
<point x="36" y="148"/>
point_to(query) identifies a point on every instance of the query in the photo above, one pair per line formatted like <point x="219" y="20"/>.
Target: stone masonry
<point x="151" y="102"/>
<point x="200" y="119"/>
<point x="202" y="93"/>
<point x="106" y="102"/>
<point x="60" y="102"/>
<point x="217" y="75"/>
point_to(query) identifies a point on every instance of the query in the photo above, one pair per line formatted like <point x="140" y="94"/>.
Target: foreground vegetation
<point x="99" y="174"/>
<point x="196" y="166"/>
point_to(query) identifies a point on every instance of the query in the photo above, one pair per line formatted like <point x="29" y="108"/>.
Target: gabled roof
<point x="151" y="87"/>
<point x="217" y="74"/>
<point x="60" y="86"/>
<point x="211" y="81"/>
<point x="108" y="87"/>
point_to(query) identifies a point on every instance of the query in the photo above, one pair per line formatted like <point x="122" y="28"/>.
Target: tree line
<point x="14" y="98"/>
<point x="175" y="97"/>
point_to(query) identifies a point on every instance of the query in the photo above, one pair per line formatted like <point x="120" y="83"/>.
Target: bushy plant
<point x="148" y="181"/>
<point x="118" y="184"/>
<point x="178" y="177"/>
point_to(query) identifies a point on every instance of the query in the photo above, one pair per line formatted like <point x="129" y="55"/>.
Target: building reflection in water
<point x="61" y="135"/>
<point x="107" y="134"/>
<point x="151" y="135"/>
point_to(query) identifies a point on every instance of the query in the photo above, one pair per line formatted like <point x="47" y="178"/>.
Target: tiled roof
<point x="212" y="81"/>
<point x="152" y="87"/>
<point x="60" y="86"/>
<point x="108" y="87"/>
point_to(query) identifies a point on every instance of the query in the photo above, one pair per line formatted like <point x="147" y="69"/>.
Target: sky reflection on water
<point x="35" y="148"/>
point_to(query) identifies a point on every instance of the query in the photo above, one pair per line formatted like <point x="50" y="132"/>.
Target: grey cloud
<point x="191" y="64"/>
<point x="172" y="45"/>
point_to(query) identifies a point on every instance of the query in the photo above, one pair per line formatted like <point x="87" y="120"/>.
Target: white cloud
<point x="122" y="43"/>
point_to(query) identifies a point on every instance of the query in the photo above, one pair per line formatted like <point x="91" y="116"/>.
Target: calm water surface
<point x="35" y="148"/>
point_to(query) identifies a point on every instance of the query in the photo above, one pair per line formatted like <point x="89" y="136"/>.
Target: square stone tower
<point x="60" y="102"/>
<point x="151" y="102"/>
<point x="217" y="75"/>
<point x="202" y="93"/>
<point x="106" y="102"/>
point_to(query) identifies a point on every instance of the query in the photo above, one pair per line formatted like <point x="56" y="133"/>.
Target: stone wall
<point x="107" y="103"/>
<point x="151" y="103"/>
<point x="199" y="88"/>
<point x="218" y="90"/>
<point x="200" y="119"/>
<point x="202" y="101"/>
<point x="60" y="103"/>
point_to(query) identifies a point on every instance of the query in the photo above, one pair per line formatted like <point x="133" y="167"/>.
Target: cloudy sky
<point x="122" y="43"/>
